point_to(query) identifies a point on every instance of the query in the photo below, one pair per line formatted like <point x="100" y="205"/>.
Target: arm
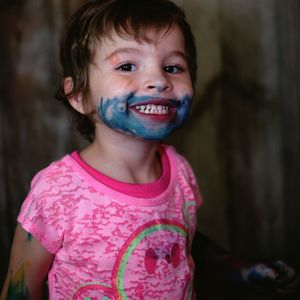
<point x="265" y="277"/>
<point x="28" y="267"/>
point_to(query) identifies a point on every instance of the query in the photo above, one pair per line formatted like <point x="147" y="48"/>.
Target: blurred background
<point x="242" y="139"/>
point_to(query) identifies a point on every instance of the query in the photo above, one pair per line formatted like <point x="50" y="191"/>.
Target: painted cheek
<point x="183" y="109"/>
<point x="110" y="109"/>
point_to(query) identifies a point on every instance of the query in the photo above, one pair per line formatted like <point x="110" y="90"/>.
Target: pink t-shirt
<point x="113" y="240"/>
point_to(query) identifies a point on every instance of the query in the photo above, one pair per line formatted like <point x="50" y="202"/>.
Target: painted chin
<point x="149" y="119"/>
<point x="154" y="127"/>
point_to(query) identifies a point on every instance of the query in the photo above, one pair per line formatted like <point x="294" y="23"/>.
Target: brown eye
<point x="173" y="69"/>
<point x="128" y="67"/>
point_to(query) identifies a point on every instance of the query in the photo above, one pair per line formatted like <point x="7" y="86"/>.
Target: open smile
<point x="155" y="107"/>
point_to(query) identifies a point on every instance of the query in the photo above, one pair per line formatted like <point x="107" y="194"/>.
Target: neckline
<point x="146" y="190"/>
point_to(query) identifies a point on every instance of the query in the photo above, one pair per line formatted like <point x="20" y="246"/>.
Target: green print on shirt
<point x="17" y="289"/>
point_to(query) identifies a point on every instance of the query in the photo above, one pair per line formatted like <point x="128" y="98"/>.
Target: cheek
<point x="107" y="109"/>
<point x="188" y="90"/>
<point x="118" y="86"/>
<point x="183" y="109"/>
<point x="184" y="89"/>
<point x="113" y="110"/>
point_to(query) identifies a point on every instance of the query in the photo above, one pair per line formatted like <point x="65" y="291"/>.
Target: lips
<point x="156" y="109"/>
<point x="153" y="109"/>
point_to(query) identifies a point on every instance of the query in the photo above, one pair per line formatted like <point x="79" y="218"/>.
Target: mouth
<point x="155" y="108"/>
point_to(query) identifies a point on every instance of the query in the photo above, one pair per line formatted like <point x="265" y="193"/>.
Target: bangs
<point x="137" y="29"/>
<point x="132" y="19"/>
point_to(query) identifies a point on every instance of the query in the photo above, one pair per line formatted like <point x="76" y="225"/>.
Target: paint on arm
<point x="17" y="289"/>
<point x="29" y="237"/>
<point x="28" y="267"/>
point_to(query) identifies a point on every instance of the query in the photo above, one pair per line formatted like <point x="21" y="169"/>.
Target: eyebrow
<point x="120" y="51"/>
<point x="136" y="51"/>
<point x="178" y="53"/>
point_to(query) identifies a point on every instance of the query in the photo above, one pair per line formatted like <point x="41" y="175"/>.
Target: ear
<point x="76" y="101"/>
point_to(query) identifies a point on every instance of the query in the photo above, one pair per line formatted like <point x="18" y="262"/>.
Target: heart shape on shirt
<point x="152" y="256"/>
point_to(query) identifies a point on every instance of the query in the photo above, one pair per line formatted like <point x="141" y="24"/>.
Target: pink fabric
<point x="136" y="190"/>
<point x="111" y="245"/>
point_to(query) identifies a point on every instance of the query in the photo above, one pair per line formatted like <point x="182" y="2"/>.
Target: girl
<point x="116" y="219"/>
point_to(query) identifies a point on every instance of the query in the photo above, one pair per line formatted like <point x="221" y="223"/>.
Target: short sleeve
<point x="191" y="178"/>
<point x="43" y="213"/>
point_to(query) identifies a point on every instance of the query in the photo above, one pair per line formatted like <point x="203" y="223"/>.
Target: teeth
<point x="153" y="109"/>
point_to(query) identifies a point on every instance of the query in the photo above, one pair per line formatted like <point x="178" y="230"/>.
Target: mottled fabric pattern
<point x="109" y="245"/>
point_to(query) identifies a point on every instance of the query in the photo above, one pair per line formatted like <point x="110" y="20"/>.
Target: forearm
<point x="28" y="268"/>
<point x="204" y="250"/>
<point x="17" y="286"/>
<point x="212" y="261"/>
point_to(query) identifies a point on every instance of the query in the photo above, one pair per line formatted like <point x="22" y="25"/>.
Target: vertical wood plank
<point x="35" y="129"/>
<point x="289" y="61"/>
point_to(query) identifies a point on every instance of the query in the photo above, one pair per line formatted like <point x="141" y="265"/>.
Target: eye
<point x="127" y="67"/>
<point x="173" y="69"/>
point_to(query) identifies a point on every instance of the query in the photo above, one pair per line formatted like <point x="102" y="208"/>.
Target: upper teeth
<point x="153" y="109"/>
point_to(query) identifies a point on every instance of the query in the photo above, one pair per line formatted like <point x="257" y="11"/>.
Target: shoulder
<point x="59" y="173"/>
<point x="50" y="185"/>
<point x="184" y="172"/>
<point x="178" y="160"/>
<point x="49" y="204"/>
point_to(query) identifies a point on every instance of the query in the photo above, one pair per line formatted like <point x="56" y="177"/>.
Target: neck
<point x="124" y="158"/>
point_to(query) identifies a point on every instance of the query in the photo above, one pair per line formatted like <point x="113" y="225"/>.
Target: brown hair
<point x="99" y="18"/>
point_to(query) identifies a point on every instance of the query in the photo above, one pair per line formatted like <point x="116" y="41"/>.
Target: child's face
<point x="141" y="88"/>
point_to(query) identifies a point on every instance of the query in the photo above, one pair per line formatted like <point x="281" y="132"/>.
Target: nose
<point x="157" y="81"/>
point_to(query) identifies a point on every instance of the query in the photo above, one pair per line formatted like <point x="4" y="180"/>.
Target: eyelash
<point x="179" y="69"/>
<point x="130" y="67"/>
<point x="124" y="67"/>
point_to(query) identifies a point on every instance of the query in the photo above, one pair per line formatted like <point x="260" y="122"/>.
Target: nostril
<point x="159" y="88"/>
<point x="158" y="83"/>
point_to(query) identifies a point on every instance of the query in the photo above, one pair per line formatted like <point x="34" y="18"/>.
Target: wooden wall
<point x="34" y="129"/>
<point x="242" y="139"/>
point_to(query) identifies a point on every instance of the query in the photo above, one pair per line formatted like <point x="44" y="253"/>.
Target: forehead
<point x="169" y="39"/>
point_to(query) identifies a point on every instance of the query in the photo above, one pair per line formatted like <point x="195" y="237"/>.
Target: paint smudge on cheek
<point x="109" y="113"/>
<point x="113" y="111"/>
<point x="183" y="109"/>
<point x="121" y="107"/>
<point x="17" y="289"/>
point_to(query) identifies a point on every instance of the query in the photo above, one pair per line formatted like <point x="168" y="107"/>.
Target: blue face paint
<point x="119" y="113"/>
